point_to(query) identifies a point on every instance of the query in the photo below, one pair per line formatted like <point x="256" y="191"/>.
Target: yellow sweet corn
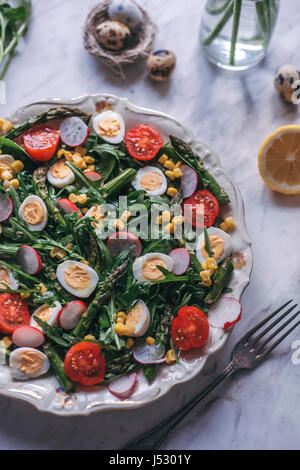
<point x="120" y="329"/>
<point x="125" y="216"/>
<point x="82" y="198"/>
<point x="205" y="275"/>
<point x="150" y="340"/>
<point x="84" y="210"/>
<point x="129" y="343"/>
<point x="178" y="173"/>
<point x="166" y="216"/>
<point x="17" y="166"/>
<point x="178" y="165"/>
<point x="207" y="283"/>
<point x="14" y="183"/>
<point x="84" y="261"/>
<point x="228" y="224"/>
<point x="170" y="165"/>
<point x="6" y="342"/>
<point x="170" y="356"/>
<point x="92" y="337"/>
<point x="87" y="159"/>
<point x="163" y="159"/>
<point x="91" y="167"/>
<point x="25" y="296"/>
<point x="73" y="197"/>
<point x="210" y="263"/>
<point x="119" y="224"/>
<point x="69" y="246"/>
<point x="42" y="288"/>
<point x="81" y="150"/>
<point x="65" y="153"/>
<point x="5" y="126"/>
<point x="121" y="315"/>
<point x="170" y="174"/>
<point x="169" y="228"/>
<point x="172" y="191"/>
<point x="178" y="220"/>
<point x="79" y="161"/>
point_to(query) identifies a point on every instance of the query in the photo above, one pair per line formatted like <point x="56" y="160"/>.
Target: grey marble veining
<point x="233" y="113"/>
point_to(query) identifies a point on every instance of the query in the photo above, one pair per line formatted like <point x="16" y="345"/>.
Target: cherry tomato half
<point x="190" y="328"/>
<point x="13" y="312"/>
<point x="201" y="209"/>
<point x="41" y="142"/>
<point x="143" y="142"/>
<point x="85" y="364"/>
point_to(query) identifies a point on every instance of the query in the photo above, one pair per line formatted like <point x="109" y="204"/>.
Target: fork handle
<point x="153" y="440"/>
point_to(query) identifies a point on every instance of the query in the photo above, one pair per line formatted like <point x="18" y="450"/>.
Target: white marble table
<point x="233" y="114"/>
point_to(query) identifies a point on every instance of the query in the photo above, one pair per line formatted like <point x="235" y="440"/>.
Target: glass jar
<point x="235" y="33"/>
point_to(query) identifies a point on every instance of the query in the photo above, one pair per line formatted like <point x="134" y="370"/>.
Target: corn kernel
<point x="91" y="167"/>
<point x="82" y="198"/>
<point x="84" y="261"/>
<point x="125" y="216"/>
<point x="170" y="356"/>
<point x="205" y="275"/>
<point x="42" y="288"/>
<point x="119" y="224"/>
<point x="178" y="173"/>
<point x="81" y="150"/>
<point x="14" y="183"/>
<point x="211" y="263"/>
<point x="163" y="159"/>
<point x="6" y="175"/>
<point x="5" y="126"/>
<point x="207" y="283"/>
<point x="17" y="166"/>
<point x="24" y="295"/>
<point x="178" y="165"/>
<point x="170" y="174"/>
<point x="166" y="216"/>
<point x="158" y="220"/>
<point x="150" y="340"/>
<point x="92" y="337"/>
<point x="73" y="197"/>
<point x="87" y="159"/>
<point x="228" y="224"/>
<point x="65" y="153"/>
<point x="79" y="161"/>
<point x="121" y="315"/>
<point x="170" y="165"/>
<point x="172" y="191"/>
<point x="6" y="342"/>
<point x="169" y="228"/>
<point x="129" y="343"/>
<point x="178" y="220"/>
<point x="69" y="246"/>
<point x="120" y="329"/>
<point x="84" y="210"/>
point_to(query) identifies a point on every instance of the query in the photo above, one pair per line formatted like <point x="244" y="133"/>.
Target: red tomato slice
<point x="201" y="209"/>
<point x="85" y="364"/>
<point x="13" y="313"/>
<point x="143" y="142"/>
<point x="41" y="142"/>
<point x="190" y="328"/>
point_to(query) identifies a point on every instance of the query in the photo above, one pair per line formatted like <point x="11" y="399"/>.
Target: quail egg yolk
<point x="34" y="213"/>
<point x="217" y="247"/>
<point x="109" y="127"/>
<point x="151" y="181"/>
<point x="45" y="313"/>
<point x="4" y="277"/>
<point x="150" y="270"/>
<point x="133" y="318"/>
<point x="30" y="362"/>
<point x="60" y="169"/>
<point x="77" y="277"/>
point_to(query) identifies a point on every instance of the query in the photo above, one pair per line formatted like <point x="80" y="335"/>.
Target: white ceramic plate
<point x="45" y="393"/>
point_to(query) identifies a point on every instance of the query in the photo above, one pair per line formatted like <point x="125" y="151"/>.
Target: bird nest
<point x="139" y="46"/>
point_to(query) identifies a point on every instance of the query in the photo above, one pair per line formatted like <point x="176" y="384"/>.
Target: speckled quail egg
<point x="60" y="175"/>
<point x="7" y="278"/>
<point x="161" y="64"/>
<point x="109" y="126"/>
<point x="34" y="212"/>
<point x="145" y="267"/>
<point x="113" y="35"/>
<point x="127" y="12"/>
<point x="47" y="313"/>
<point x="77" y="278"/>
<point x="150" y="179"/>
<point x="137" y="320"/>
<point x="285" y="80"/>
<point x="220" y="243"/>
<point x="27" y="363"/>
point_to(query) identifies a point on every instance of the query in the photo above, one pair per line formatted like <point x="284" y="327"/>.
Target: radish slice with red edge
<point x="181" y="258"/>
<point x="29" y="259"/>
<point x="27" y="337"/>
<point x="122" y="240"/>
<point x="124" y="386"/>
<point x="225" y="313"/>
<point x="189" y="181"/>
<point x="70" y="314"/>
<point x="6" y="207"/>
<point x="92" y="175"/>
<point x="148" y="353"/>
<point x="67" y="206"/>
<point x="73" y="131"/>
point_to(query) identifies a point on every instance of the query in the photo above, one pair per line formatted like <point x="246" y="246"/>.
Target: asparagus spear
<point x="105" y="291"/>
<point x="58" y="367"/>
<point x="59" y="112"/>
<point x="39" y="179"/>
<point x="119" y="365"/>
<point x="9" y="250"/>
<point x="207" y="181"/>
<point x="221" y="280"/>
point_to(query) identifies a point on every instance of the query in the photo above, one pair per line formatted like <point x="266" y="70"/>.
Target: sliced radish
<point x="28" y="337"/>
<point x="148" y="353"/>
<point x="225" y="313"/>
<point x="67" y="206"/>
<point x="92" y="175"/>
<point x="29" y="259"/>
<point x="70" y="314"/>
<point x="73" y="131"/>
<point x="189" y="181"/>
<point x="124" y="386"/>
<point x="6" y="207"/>
<point x="181" y="258"/>
<point x="122" y="240"/>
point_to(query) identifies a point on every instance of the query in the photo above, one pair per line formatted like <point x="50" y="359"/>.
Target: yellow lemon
<point x="279" y="160"/>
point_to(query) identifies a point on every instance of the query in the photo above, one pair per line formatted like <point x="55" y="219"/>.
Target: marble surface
<point x="232" y="113"/>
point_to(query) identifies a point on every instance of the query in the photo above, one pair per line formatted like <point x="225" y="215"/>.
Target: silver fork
<point x="250" y="351"/>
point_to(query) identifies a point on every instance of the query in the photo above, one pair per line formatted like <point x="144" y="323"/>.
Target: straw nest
<point x="140" y="44"/>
